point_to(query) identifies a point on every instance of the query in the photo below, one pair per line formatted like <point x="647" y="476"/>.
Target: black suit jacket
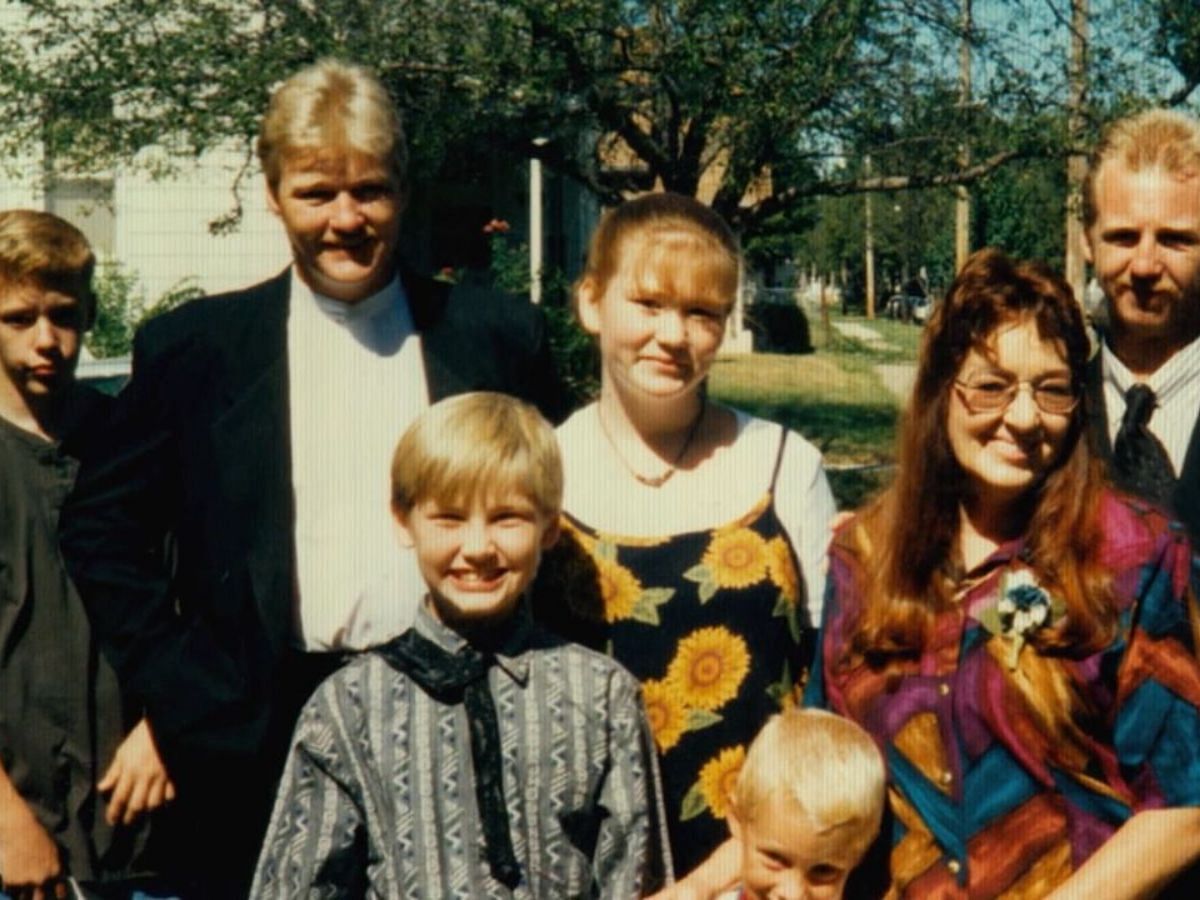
<point x="180" y="533"/>
<point x="1186" y="499"/>
<point x="1186" y="503"/>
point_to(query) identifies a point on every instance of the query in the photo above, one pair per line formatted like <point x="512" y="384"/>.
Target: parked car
<point x="902" y="306"/>
<point x="107" y="375"/>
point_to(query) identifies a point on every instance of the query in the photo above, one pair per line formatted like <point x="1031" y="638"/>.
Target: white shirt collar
<point x="379" y="323"/>
<point x="1166" y="381"/>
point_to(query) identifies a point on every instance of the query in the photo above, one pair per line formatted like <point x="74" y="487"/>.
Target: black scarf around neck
<point x="462" y="678"/>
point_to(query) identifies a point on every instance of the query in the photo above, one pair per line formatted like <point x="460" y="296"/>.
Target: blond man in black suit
<point x="230" y="541"/>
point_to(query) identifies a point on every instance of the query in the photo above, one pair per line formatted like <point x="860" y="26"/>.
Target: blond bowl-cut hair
<point x="827" y="765"/>
<point x="40" y="247"/>
<point x="1155" y="139"/>
<point x="331" y="107"/>
<point x="479" y="444"/>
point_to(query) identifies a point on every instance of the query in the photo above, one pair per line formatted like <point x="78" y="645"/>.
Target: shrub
<point x="575" y="356"/>
<point x="121" y="306"/>
<point x="779" y="328"/>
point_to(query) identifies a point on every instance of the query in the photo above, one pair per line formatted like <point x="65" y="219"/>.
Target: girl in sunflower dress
<point x="695" y="535"/>
<point x="1018" y="637"/>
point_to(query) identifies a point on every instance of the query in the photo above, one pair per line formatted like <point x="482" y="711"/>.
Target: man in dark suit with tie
<point x="231" y="542"/>
<point x="1142" y="221"/>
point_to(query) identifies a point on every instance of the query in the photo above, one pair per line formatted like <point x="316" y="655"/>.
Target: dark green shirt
<point x="60" y="711"/>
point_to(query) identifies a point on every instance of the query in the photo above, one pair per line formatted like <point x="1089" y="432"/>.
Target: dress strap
<point x="783" y="433"/>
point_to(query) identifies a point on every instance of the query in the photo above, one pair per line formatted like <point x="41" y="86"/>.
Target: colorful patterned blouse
<point x="1008" y="767"/>
<point x="710" y="623"/>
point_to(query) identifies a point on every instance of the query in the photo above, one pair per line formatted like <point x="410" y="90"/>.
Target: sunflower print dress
<point x="712" y="625"/>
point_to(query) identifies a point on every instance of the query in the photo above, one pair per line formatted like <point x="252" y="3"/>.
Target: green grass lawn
<point x="834" y="397"/>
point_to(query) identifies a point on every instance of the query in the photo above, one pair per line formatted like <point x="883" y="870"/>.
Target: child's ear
<point x="587" y="305"/>
<point x="403" y="535"/>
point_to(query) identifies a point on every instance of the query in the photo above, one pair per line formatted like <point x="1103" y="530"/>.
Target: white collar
<point x="385" y="299"/>
<point x="1181" y="369"/>
<point x="346" y="313"/>
<point x="380" y="323"/>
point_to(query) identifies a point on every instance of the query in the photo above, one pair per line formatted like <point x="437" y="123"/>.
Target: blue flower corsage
<point x="1024" y="607"/>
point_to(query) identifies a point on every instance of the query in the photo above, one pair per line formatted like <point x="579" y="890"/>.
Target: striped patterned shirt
<point x="378" y="796"/>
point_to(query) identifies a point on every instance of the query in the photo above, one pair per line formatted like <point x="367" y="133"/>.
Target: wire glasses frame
<point x="986" y="392"/>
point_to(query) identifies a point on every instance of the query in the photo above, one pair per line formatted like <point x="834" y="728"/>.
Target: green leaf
<point x="989" y="618"/>
<point x="606" y="550"/>
<point x="1015" y="643"/>
<point x="700" y="718"/>
<point x="645" y="608"/>
<point x="780" y="690"/>
<point x="785" y="609"/>
<point x="699" y="573"/>
<point x="693" y="804"/>
<point x="707" y="590"/>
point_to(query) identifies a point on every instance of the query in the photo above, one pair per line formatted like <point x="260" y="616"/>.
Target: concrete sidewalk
<point x="864" y="333"/>
<point x="898" y="378"/>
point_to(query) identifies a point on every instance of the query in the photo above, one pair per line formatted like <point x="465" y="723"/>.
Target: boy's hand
<point x="137" y="778"/>
<point x="29" y="863"/>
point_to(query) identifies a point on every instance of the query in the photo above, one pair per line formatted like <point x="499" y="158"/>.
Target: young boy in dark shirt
<point x="63" y="740"/>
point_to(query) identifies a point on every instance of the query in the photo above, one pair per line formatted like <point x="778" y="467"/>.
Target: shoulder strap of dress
<point x="783" y="433"/>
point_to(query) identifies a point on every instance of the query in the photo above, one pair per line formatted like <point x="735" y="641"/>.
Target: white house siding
<point x="162" y="227"/>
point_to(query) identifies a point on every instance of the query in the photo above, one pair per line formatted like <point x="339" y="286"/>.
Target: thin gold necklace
<point x="657" y="481"/>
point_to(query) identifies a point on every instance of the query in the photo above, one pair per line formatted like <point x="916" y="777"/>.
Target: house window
<point x="87" y="203"/>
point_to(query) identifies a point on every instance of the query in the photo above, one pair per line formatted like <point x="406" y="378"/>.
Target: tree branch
<point x="1181" y="95"/>
<point x="782" y="200"/>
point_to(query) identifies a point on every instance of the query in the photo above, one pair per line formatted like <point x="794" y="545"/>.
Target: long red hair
<point x="907" y="535"/>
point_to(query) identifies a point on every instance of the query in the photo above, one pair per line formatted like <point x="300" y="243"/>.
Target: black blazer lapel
<point x="1097" y="411"/>
<point x="448" y="353"/>
<point x="1187" y="491"/>
<point x="252" y="439"/>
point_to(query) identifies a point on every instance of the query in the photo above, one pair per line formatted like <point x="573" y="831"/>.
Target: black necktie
<point x="462" y="678"/>
<point x="1140" y="461"/>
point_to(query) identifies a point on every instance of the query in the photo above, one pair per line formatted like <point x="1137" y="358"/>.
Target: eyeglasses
<point x="992" y="392"/>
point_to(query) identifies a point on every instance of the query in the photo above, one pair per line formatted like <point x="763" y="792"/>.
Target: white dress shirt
<point x="355" y="381"/>
<point x="1176" y="385"/>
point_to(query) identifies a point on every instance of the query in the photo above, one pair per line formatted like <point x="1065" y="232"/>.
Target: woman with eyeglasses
<point x="1017" y="636"/>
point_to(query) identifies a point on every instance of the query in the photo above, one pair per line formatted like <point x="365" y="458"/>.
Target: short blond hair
<point x="40" y="247"/>
<point x="685" y="248"/>
<point x="474" y="445"/>
<point x="331" y="106"/>
<point x="1155" y="139"/>
<point x="827" y="764"/>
